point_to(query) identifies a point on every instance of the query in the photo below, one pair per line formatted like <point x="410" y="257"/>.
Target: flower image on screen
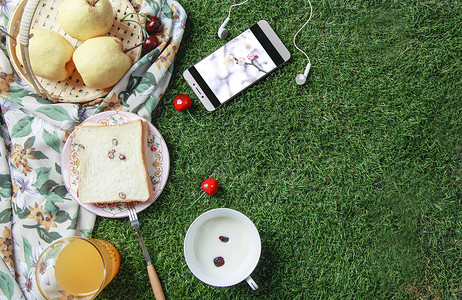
<point x="235" y="66"/>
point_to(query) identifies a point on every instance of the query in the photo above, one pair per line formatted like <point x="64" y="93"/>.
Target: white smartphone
<point x="236" y="65"/>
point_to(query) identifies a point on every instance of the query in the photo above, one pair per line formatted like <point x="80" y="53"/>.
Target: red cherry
<point x="210" y="186"/>
<point x="182" y="102"/>
<point x="154" y="25"/>
<point x="151" y="43"/>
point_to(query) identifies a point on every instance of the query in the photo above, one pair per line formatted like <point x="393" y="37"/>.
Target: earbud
<point x="222" y="31"/>
<point x="301" y="78"/>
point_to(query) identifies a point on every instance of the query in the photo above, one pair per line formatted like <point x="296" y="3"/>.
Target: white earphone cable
<point x="301" y="28"/>
<point x="229" y="13"/>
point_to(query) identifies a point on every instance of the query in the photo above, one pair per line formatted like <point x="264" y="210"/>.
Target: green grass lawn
<point x="353" y="180"/>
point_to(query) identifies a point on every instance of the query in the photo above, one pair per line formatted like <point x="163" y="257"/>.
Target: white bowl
<point x="241" y="252"/>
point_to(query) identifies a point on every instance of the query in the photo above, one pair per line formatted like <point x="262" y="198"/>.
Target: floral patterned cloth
<point x="35" y="207"/>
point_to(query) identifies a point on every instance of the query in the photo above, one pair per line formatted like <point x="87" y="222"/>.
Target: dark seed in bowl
<point x="219" y="261"/>
<point x="224" y="239"/>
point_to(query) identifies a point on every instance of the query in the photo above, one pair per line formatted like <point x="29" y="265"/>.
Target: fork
<point x="153" y="278"/>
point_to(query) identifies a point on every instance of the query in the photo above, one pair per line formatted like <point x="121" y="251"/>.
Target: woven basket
<point x="43" y="14"/>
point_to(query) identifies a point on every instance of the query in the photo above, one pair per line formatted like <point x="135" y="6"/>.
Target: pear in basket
<point x="84" y="19"/>
<point x="101" y="61"/>
<point x="50" y="54"/>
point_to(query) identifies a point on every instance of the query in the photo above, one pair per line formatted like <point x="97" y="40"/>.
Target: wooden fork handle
<point x="155" y="283"/>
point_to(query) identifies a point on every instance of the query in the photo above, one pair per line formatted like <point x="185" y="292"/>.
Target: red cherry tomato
<point x="182" y="102"/>
<point x="210" y="186"/>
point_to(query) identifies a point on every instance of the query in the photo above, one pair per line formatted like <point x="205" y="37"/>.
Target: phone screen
<point x="236" y="65"/>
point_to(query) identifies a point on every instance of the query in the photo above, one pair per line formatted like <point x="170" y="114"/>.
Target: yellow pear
<point x="101" y="61"/>
<point x="83" y="20"/>
<point x="50" y="54"/>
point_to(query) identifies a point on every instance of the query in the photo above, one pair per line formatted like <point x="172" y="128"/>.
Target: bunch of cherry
<point x="153" y="26"/>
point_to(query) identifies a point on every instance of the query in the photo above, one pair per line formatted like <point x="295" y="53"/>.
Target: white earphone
<point x="222" y="31"/>
<point x="301" y="78"/>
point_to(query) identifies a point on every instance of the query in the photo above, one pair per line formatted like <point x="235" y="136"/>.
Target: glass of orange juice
<point x="76" y="266"/>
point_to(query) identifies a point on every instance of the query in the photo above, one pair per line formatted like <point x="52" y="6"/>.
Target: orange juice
<point x="79" y="268"/>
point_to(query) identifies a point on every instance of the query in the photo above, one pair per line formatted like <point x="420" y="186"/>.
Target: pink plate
<point x="159" y="165"/>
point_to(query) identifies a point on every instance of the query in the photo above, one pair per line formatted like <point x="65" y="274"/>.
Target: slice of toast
<point x="113" y="163"/>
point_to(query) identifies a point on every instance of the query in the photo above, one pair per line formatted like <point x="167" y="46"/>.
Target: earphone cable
<point x="301" y="28"/>
<point x="237" y="4"/>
